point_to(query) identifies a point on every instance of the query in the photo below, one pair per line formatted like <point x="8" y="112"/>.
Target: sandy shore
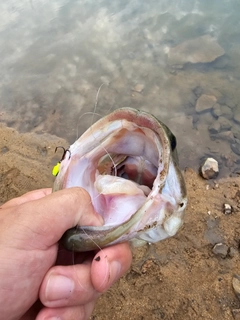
<point x="180" y="278"/>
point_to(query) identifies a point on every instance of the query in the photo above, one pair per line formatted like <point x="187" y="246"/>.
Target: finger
<point x="109" y="265"/>
<point x="79" y="284"/>
<point x="82" y="312"/>
<point x="65" y="286"/>
<point x="45" y="220"/>
<point x="32" y="195"/>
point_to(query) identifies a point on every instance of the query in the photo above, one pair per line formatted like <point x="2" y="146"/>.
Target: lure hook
<point x="56" y="168"/>
<point x="64" y="152"/>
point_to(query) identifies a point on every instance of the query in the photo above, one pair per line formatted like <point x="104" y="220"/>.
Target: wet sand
<point x="179" y="278"/>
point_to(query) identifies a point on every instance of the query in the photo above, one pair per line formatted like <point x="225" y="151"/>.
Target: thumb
<point x="43" y="221"/>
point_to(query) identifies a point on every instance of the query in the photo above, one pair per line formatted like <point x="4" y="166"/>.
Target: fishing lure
<point x="56" y="168"/>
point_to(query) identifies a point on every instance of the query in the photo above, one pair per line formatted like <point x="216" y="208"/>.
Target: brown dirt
<point x="179" y="278"/>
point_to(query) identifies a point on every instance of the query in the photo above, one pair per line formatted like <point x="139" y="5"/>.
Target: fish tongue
<point x="121" y="198"/>
<point x="106" y="184"/>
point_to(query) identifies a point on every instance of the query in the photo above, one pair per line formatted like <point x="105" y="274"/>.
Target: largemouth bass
<point x="127" y="162"/>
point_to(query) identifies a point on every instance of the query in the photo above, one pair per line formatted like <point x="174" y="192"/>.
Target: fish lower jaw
<point x="158" y="233"/>
<point x="172" y="225"/>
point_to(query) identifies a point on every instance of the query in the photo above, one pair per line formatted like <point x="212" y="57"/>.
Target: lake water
<point x="54" y="56"/>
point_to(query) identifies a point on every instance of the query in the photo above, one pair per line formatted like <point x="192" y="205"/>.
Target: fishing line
<point x="110" y="157"/>
<point x="84" y="114"/>
<point x="96" y="100"/>
<point x="94" y="112"/>
<point x="89" y="237"/>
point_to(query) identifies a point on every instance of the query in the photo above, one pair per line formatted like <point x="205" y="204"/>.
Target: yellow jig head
<point x="56" y="168"/>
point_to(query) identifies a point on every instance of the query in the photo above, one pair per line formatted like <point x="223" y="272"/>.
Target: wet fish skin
<point x="126" y="135"/>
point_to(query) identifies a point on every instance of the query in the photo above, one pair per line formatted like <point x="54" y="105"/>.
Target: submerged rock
<point x="226" y="136"/>
<point x="236" y="116"/>
<point x="224" y="100"/>
<point x="216" y="110"/>
<point x="224" y="123"/>
<point x="139" y="87"/>
<point x="205" y="102"/>
<point x="209" y="169"/>
<point x="215" y="127"/>
<point x="236" y="147"/>
<point x="200" y="50"/>
<point x="222" y="110"/>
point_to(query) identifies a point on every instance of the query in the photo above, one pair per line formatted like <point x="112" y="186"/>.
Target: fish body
<point x="127" y="162"/>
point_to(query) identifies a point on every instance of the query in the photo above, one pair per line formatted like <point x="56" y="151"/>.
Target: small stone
<point x="236" y="147"/>
<point x="4" y="150"/>
<point x="226" y="135"/>
<point x="236" y="285"/>
<point x="224" y="100"/>
<point x="138" y="87"/>
<point x="215" y="127"/>
<point x="198" y="91"/>
<point x="216" y="110"/>
<point x="233" y="252"/>
<point x="227" y="112"/>
<point x="220" y="250"/>
<point x="224" y="123"/>
<point x="236" y="314"/>
<point x="236" y="117"/>
<point x="205" y="102"/>
<point x="209" y="169"/>
<point x="236" y="133"/>
<point x="227" y="209"/>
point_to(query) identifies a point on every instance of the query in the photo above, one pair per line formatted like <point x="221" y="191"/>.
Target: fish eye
<point x="181" y="204"/>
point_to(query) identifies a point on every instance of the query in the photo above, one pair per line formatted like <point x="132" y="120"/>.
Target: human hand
<point x="34" y="267"/>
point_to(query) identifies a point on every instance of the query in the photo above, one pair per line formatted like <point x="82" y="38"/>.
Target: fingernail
<point x="53" y="318"/>
<point x="59" y="287"/>
<point x="115" y="271"/>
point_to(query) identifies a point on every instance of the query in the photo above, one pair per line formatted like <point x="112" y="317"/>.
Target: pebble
<point x="226" y="112"/>
<point x="216" y="110"/>
<point x="205" y="102"/>
<point x="224" y="100"/>
<point x="209" y="169"/>
<point x="226" y="135"/>
<point x="215" y="127"/>
<point x="220" y="250"/>
<point x="233" y="252"/>
<point x="236" y="147"/>
<point x="227" y="209"/>
<point x="4" y="150"/>
<point x="236" y="314"/>
<point x="236" y="116"/>
<point x="236" y="133"/>
<point x="219" y="110"/>
<point x="224" y="123"/>
<point x="138" y="87"/>
<point x="236" y="285"/>
<point x="198" y="91"/>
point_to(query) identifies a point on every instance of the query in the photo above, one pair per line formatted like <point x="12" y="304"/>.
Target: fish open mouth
<point x="126" y="163"/>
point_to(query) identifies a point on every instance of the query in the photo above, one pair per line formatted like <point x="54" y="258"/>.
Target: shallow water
<point x="54" y="56"/>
